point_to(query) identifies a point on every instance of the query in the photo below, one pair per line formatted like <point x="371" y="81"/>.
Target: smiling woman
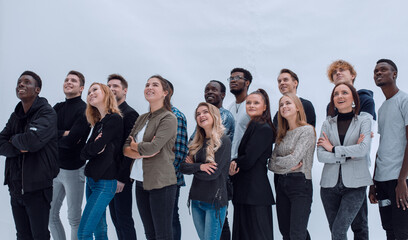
<point x="292" y="161"/>
<point x="343" y="147"/>
<point x="210" y="153"/>
<point x="253" y="197"/>
<point x="101" y="150"/>
<point x="151" y="143"/>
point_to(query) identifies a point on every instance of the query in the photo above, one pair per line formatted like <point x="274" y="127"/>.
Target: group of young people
<point x="49" y="157"/>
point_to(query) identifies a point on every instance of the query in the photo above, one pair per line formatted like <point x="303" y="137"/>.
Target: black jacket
<point x="35" y="132"/>
<point x="103" y="153"/>
<point x="210" y="188"/>
<point x="251" y="183"/>
<point x="129" y="118"/>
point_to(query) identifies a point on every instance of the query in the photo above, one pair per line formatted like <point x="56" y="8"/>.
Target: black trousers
<point x="156" y="211"/>
<point x="394" y="220"/>
<point x="121" y="213"/>
<point x="226" y="233"/>
<point x="31" y="213"/>
<point x="294" y="195"/>
<point x="252" y="222"/>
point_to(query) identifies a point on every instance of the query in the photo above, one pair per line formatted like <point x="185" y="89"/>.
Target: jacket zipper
<point x="22" y="164"/>
<point x="22" y="175"/>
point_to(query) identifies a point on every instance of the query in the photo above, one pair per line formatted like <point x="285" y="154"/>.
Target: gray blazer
<point x="354" y="171"/>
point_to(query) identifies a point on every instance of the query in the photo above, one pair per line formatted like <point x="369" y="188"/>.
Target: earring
<point x="353" y="105"/>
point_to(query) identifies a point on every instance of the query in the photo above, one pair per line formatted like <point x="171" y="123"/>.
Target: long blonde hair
<point x="283" y="125"/>
<point x="92" y="113"/>
<point x="217" y="132"/>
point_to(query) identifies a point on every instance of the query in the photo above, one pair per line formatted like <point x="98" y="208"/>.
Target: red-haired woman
<point x="101" y="150"/>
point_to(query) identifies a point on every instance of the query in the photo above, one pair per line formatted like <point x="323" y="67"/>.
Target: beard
<point x="380" y="84"/>
<point x="237" y="91"/>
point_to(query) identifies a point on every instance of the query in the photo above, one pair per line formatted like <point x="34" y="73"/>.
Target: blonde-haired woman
<point x="208" y="160"/>
<point x="292" y="161"/>
<point x="101" y="150"/>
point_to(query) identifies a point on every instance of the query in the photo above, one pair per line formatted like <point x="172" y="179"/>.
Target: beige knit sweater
<point x="297" y="146"/>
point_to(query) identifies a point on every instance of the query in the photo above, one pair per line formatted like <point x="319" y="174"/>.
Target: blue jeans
<point x="207" y="220"/>
<point x="69" y="183"/>
<point x="294" y="195"/>
<point x="341" y="205"/>
<point x="121" y="213"/>
<point x="156" y="210"/>
<point x="93" y="221"/>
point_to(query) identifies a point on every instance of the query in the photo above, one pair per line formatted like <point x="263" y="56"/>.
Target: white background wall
<point x="192" y="42"/>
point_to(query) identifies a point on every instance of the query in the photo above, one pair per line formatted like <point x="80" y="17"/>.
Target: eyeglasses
<point x="236" y="78"/>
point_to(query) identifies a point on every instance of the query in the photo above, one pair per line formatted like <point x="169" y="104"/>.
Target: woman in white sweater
<point x="292" y="161"/>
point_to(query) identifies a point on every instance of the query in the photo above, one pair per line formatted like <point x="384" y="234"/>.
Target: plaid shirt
<point x="180" y="147"/>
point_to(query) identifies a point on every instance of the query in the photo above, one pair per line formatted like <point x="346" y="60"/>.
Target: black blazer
<point x="251" y="183"/>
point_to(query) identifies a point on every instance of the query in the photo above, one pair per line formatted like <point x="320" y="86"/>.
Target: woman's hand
<point x="300" y="164"/>
<point x="99" y="136"/>
<point x="133" y="144"/>
<point x="360" y="139"/>
<point x="148" y="156"/>
<point x="189" y="159"/>
<point x="325" y="143"/>
<point x="233" y="168"/>
<point x="208" y="167"/>
<point x="103" y="149"/>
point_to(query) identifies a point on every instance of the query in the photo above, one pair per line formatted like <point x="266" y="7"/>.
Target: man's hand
<point x="401" y="194"/>
<point x="233" y="168"/>
<point x="371" y="195"/>
<point x="120" y="187"/>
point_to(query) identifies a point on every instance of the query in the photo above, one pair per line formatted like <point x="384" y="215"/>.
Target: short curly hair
<point x="340" y="64"/>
